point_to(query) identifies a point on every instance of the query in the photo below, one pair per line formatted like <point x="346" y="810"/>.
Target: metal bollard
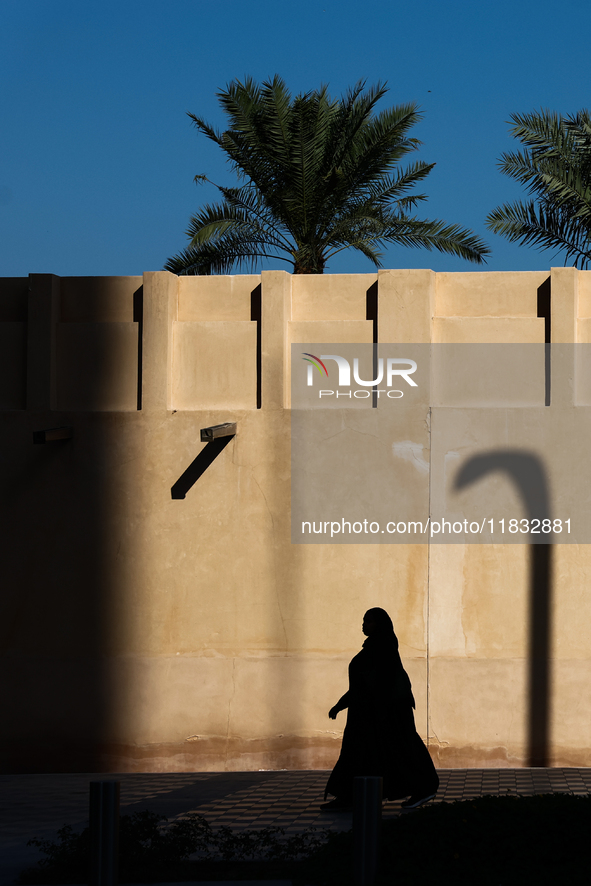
<point x="367" y="821"/>
<point x="104" y="832"/>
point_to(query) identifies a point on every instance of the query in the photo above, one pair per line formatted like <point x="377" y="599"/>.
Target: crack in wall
<point x="230" y="700"/>
<point x="441" y="744"/>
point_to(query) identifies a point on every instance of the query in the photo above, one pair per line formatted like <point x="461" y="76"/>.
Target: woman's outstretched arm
<point x="341" y="705"/>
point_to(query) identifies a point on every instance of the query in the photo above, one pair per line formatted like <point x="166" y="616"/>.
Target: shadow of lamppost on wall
<point x="526" y="472"/>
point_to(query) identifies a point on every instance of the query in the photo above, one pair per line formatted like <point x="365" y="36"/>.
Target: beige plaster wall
<point x="143" y="632"/>
<point x="330" y="297"/>
<point x="488" y="293"/>
<point x="216" y="298"/>
<point x="97" y="366"/>
<point x="214" y="361"/>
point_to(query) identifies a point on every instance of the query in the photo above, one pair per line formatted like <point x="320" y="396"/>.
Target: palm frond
<point x="545" y="227"/>
<point x="216" y="248"/>
<point x="451" y="239"/>
<point x="317" y="175"/>
<point x="556" y="171"/>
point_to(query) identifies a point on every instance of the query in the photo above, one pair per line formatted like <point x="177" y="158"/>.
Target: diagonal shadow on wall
<point x="198" y="466"/>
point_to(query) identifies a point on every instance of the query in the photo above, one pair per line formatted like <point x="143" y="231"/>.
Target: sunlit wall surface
<point x="158" y="612"/>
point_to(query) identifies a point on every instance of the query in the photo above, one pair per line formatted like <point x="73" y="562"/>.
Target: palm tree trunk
<point x="303" y="267"/>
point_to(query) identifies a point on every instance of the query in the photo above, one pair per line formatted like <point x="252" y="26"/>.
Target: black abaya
<point x="380" y="737"/>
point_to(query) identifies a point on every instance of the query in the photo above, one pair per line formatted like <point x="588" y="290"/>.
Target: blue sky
<point x="98" y="155"/>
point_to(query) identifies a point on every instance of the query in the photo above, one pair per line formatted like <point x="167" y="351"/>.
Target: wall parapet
<point x="190" y="343"/>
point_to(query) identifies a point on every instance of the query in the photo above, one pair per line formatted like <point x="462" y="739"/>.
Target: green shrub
<point x="151" y="849"/>
<point x="488" y="841"/>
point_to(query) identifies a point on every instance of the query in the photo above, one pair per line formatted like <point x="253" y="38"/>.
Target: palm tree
<point x="556" y="170"/>
<point x="316" y="176"/>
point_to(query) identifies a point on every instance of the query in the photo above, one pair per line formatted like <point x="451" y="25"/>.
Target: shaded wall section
<point x="68" y="364"/>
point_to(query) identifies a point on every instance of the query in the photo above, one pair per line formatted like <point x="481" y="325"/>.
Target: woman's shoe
<point x="415" y="801"/>
<point x="336" y="805"/>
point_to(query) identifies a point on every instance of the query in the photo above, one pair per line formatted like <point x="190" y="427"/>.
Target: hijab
<point x="383" y="635"/>
<point x="381" y="619"/>
<point x="382" y="645"/>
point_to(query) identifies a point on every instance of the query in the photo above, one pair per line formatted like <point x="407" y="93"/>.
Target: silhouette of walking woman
<point x="380" y="736"/>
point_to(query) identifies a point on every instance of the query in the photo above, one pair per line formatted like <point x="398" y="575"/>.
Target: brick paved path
<point x="37" y="805"/>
